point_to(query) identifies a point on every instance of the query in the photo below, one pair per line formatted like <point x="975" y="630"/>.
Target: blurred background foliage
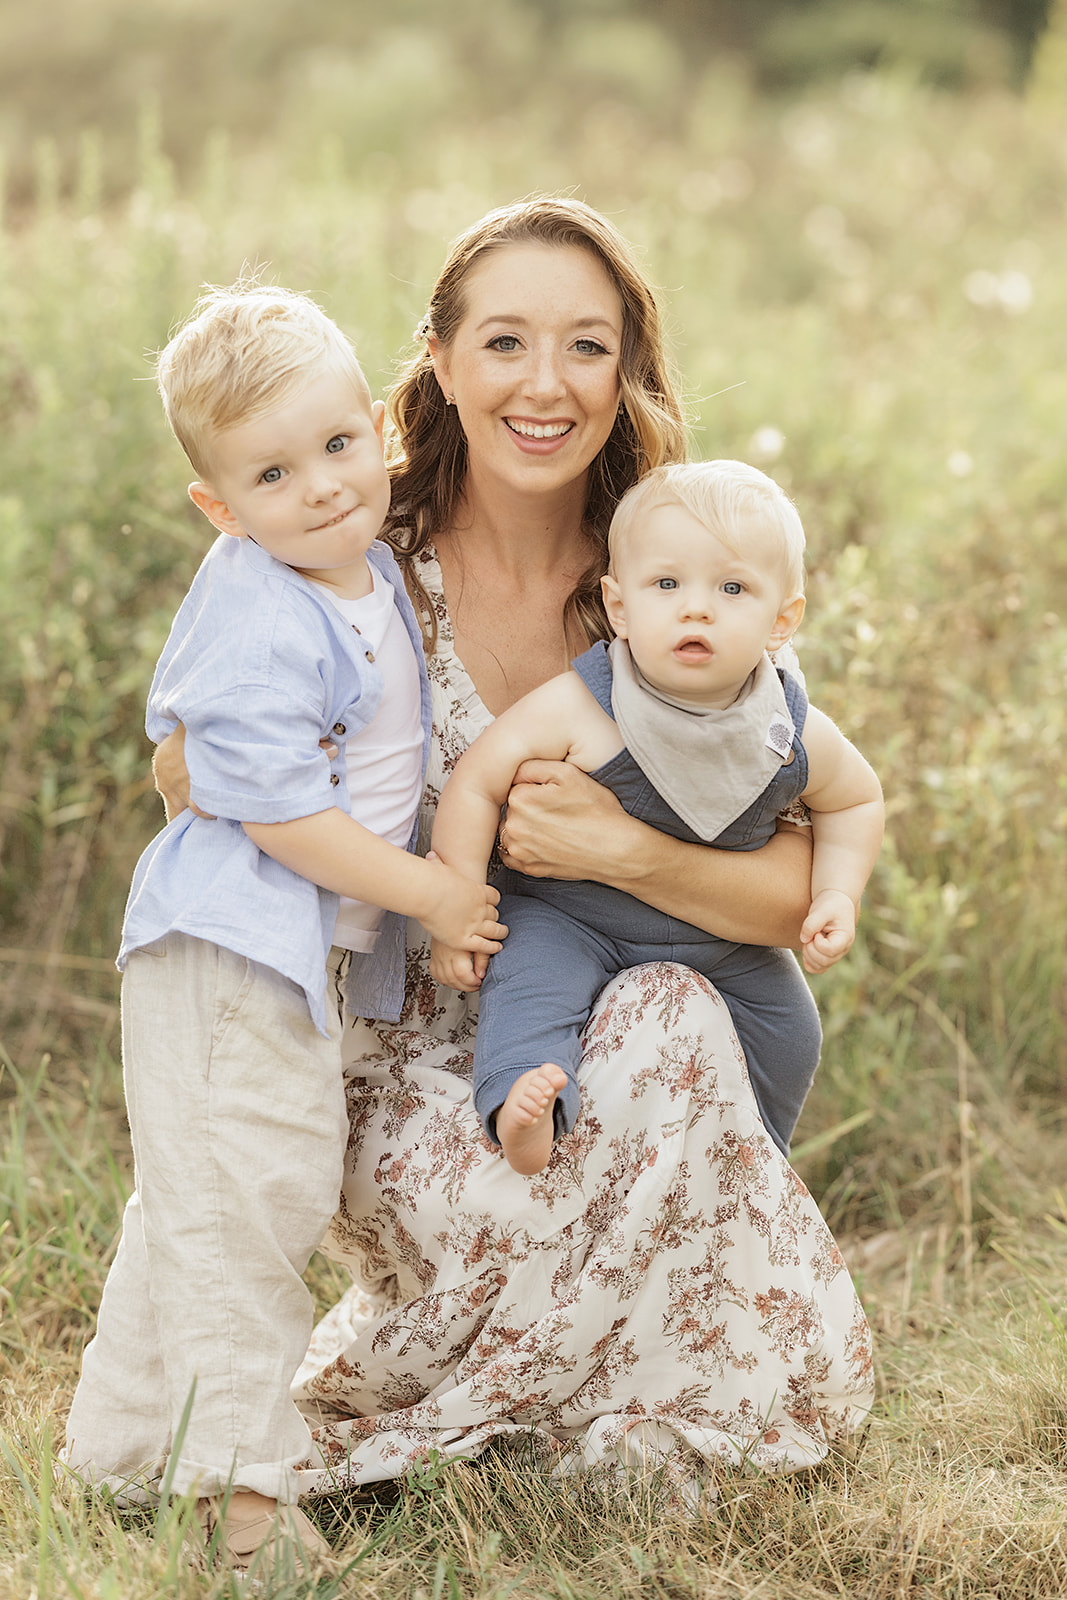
<point x="856" y="214"/>
<point x="384" y="77"/>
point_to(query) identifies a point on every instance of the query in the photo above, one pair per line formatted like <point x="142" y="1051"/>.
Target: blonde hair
<point x="244" y="351"/>
<point x="730" y="499"/>
<point x="430" y="468"/>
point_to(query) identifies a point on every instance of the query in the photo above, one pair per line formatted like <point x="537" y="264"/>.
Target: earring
<point x="450" y="399"/>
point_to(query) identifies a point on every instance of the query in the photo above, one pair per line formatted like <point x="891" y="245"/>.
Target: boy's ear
<point x="613" y="604"/>
<point x="787" y="622"/>
<point x="215" y="510"/>
<point x="377" y="412"/>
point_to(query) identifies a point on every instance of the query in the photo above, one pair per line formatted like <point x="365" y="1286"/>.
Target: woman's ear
<point x="442" y="367"/>
<point x="613" y="604"/>
<point x="787" y="622"/>
<point x="215" y="510"/>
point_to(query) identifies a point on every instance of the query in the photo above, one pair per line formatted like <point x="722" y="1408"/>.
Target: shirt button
<point x="334" y="779"/>
<point x="339" y="728"/>
<point x="370" y="655"/>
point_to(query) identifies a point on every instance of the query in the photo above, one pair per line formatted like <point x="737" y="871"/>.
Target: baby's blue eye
<point x="336" y="444"/>
<point x="272" y="475"/>
<point x="733" y="587"/>
<point x="666" y="583"/>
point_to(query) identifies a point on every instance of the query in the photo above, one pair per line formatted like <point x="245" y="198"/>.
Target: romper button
<point x="370" y="655"/>
<point x="339" y="728"/>
<point x="334" y="779"/>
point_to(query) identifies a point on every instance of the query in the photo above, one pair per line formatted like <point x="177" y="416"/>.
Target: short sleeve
<point x="253" y="756"/>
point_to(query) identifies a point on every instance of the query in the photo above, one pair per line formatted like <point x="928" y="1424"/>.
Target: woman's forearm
<point x="749" y="896"/>
<point x="563" y="824"/>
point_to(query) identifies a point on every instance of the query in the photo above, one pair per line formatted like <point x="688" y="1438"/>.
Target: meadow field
<point x="867" y="297"/>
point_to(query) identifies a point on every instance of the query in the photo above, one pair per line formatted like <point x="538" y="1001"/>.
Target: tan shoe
<point x="284" y="1543"/>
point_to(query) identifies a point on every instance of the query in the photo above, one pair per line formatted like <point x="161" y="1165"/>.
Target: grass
<point x="866" y="296"/>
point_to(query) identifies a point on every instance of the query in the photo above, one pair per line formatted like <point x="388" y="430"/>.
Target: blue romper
<point x="568" y="939"/>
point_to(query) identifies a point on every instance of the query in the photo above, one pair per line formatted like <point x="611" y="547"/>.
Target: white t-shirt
<point x="384" y="759"/>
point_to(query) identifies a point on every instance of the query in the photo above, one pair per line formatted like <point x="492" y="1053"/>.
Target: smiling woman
<point x="664" y="1291"/>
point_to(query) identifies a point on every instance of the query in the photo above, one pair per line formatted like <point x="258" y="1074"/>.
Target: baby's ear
<point x="215" y="510"/>
<point x="787" y="622"/>
<point x="613" y="604"/>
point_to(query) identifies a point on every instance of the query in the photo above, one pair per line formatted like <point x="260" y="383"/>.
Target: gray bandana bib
<point x="708" y="765"/>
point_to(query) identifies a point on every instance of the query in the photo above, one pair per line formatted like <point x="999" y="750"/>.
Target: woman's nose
<point x="544" y="375"/>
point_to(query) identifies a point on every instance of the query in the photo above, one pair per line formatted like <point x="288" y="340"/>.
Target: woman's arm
<point x="562" y="824"/>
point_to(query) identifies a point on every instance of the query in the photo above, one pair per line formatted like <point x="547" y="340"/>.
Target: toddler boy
<point x="687" y="721"/>
<point x="296" y="630"/>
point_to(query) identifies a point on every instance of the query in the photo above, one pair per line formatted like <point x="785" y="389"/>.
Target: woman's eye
<point x="504" y="342"/>
<point x="666" y="583"/>
<point x="272" y="475"/>
<point x="589" y="347"/>
<point x="336" y="444"/>
<point x="733" y="587"/>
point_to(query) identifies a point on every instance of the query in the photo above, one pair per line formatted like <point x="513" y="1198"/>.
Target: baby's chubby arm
<point x="848" y="820"/>
<point x="560" y="721"/>
<point x="338" y="853"/>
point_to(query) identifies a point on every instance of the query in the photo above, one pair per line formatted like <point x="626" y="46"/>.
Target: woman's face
<point x="534" y="366"/>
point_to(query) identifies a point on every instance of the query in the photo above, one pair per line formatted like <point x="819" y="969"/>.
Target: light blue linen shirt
<point x="260" y="666"/>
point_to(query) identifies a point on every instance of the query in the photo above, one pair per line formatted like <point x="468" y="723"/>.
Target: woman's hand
<point x="172" y="775"/>
<point x="562" y="824"/>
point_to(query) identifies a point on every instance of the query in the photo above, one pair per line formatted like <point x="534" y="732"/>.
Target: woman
<point x="665" y="1291"/>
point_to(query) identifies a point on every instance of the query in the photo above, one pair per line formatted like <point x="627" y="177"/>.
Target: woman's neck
<point x="508" y="564"/>
<point x="526" y="536"/>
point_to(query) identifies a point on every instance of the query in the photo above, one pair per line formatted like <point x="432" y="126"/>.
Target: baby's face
<point x="307" y="482"/>
<point x="696" y="615"/>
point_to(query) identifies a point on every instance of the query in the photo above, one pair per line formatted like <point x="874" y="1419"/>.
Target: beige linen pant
<point x="237" y="1116"/>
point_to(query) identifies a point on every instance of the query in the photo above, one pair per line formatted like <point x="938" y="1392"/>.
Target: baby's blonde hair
<point x="730" y="499"/>
<point x="244" y="351"/>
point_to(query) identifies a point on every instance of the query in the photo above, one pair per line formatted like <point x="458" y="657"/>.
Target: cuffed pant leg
<point x="534" y="1003"/>
<point x="118" y="1431"/>
<point x="239" y="1130"/>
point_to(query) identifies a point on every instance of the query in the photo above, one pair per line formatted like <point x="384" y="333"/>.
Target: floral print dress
<point x="664" y="1292"/>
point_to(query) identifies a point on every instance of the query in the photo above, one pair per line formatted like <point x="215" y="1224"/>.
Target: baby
<point x="686" y="719"/>
<point x="297" y="630"/>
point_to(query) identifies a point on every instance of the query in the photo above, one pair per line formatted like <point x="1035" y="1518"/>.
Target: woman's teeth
<point x="539" y="430"/>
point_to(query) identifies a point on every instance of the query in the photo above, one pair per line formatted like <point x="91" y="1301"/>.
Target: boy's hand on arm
<point x="829" y="930"/>
<point x="459" y="913"/>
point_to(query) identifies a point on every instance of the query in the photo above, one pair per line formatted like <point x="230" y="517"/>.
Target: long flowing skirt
<point x="665" y="1291"/>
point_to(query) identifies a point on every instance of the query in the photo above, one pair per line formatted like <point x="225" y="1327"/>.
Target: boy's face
<point x="696" y="615"/>
<point x="307" y="482"/>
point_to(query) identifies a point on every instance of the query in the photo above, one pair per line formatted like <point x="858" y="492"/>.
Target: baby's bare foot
<point x="524" y="1122"/>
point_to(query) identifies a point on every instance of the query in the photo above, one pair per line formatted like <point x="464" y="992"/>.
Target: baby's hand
<point x="460" y="912"/>
<point x="458" y="969"/>
<point x="828" y="931"/>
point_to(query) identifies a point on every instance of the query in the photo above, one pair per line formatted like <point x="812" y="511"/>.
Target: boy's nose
<point x="322" y="484"/>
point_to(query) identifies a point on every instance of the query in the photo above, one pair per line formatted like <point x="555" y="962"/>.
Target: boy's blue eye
<point x="272" y="475"/>
<point x="666" y="583"/>
<point x="732" y="587"/>
<point x="336" y="444"/>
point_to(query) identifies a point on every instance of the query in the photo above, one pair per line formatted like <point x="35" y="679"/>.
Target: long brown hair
<point x="429" y="459"/>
